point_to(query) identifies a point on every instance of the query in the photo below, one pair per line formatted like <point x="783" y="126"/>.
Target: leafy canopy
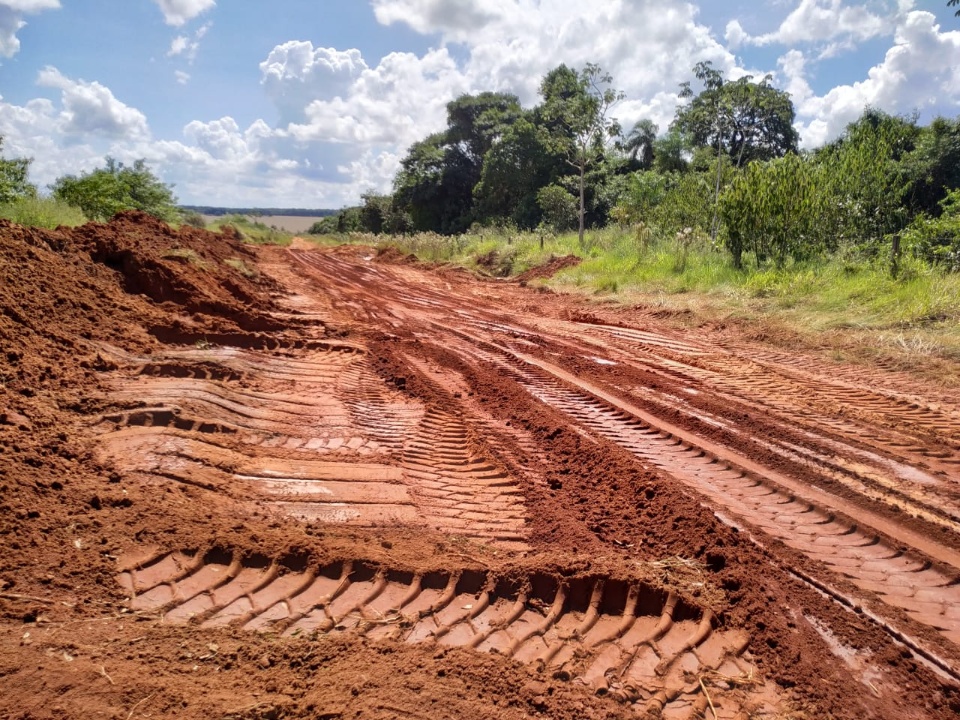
<point x="746" y="120"/>
<point x="106" y="191"/>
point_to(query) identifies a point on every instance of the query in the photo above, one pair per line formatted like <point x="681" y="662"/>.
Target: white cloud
<point x="178" y="12"/>
<point x="89" y="108"/>
<point x="182" y="77"/>
<point x="793" y="67"/>
<point x="295" y="73"/>
<point x="186" y="46"/>
<point x="831" y="24"/>
<point x="920" y="69"/>
<point x="11" y="21"/>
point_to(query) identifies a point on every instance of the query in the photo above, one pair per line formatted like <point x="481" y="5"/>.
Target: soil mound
<point x="550" y="268"/>
<point x="64" y="295"/>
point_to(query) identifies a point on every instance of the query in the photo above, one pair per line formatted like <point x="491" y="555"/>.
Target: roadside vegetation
<point x="720" y="212"/>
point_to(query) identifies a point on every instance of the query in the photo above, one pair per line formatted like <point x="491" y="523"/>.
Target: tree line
<point x="727" y="169"/>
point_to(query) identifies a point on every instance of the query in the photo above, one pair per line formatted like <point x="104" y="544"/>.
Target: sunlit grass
<point x="42" y="212"/>
<point x="253" y="231"/>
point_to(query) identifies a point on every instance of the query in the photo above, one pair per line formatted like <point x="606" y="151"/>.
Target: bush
<point x="937" y="240"/>
<point x="103" y="193"/>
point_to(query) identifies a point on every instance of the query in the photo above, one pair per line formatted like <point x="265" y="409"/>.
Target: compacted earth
<point x="337" y="483"/>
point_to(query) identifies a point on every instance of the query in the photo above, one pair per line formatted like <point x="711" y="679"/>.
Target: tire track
<point x="459" y="491"/>
<point x="903" y="579"/>
<point x="640" y="645"/>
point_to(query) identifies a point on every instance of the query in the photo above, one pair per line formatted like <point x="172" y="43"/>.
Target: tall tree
<point x="746" y="120"/>
<point x="576" y="108"/>
<point x="437" y="178"/>
<point x="640" y="144"/>
<point x="514" y="170"/>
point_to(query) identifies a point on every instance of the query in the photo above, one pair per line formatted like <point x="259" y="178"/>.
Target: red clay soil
<point x="274" y="483"/>
<point x="549" y="268"/>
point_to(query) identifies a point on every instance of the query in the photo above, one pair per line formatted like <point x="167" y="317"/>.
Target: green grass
<point x="241" y="267"/>
<point x="42" y="212"/>
<point x="254" y="232"/>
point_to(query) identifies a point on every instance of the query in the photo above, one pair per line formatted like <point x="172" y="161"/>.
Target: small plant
<point x="194" y="219"/>
<point x="186" y="255"/>
<point x="241" y="267"/>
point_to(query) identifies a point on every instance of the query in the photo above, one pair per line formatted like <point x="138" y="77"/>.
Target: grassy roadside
<point x="846" y="307"/>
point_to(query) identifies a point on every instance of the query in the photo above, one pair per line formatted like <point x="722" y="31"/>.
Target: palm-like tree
<point x="638" y="145"/>
<point x="953" y="3"/>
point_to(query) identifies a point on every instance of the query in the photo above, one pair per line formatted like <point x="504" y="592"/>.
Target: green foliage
<point x="434" y="190"/>
<point x="326" y="226"/>
<point x="108" y="190"/>
<point x="45" y="212"/>
<point x="866" y="179"/>
<point x="640" y="144"/>
<point x="379" y="214"/>
<point x="13" y="179"/>
<point x="937" y="239"/>
<point x="559" y="207"/>
<point x="254" y="231"/>
<point x="576" y="110"/>
<point x="933" y="165"/>
<point x="513" y="172"/>
<point x="746" y="120"/>
<point x="777" y="210"/>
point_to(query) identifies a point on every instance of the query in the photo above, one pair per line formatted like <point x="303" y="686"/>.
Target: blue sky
<point x="309" y="103"/>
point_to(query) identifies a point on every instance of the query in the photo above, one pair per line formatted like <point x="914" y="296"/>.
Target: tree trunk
<point x="582" y="205"/>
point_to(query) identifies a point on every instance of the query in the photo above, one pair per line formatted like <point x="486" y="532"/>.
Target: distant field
<point x="290" y="223"/>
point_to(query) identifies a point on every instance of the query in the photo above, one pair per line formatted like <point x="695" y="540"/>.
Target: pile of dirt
<point x="64" y="295"/>
<point x="549" y="268"/>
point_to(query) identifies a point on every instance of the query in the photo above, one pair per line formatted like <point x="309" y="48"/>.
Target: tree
<point x="514" y="170"/>
<point x="933" y="165"/>
<point x="954" y="3"/>
<point x="559" y="207"/>
<point x="13" y="179"/>
<point x="106" y="191"/>
<point x="435" y="185"/>
<point x="476" y="122"/>
<point x="576" y="109"/>
<point x="867" y="177"/>
<point x="746" y="120"/>
<point x="640" y="144"/>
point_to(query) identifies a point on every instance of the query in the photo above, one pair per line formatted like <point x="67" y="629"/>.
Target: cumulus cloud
<point x="179" y="12"/>
<point x="89" y="108"/>
<point x="11" y="21"/>
<point x="918" y="70"/>
<point x="295" y="73"/>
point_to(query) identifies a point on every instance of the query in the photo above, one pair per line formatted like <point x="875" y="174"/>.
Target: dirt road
<point x="474" y="498"/>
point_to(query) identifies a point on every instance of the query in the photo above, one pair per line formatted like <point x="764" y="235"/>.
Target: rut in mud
<point x="445" y="478"/>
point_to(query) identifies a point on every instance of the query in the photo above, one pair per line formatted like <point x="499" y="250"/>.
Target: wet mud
<point x="335" y="483"/>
